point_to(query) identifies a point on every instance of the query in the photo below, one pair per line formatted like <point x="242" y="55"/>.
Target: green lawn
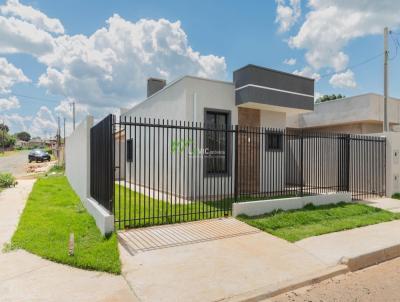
<point x="52" y="212"/>
<point x="312" y="221"/>
<point x="130" y="204"/>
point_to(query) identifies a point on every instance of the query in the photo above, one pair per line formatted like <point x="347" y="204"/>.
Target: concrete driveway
<point x="15" y="163"/>
<point x="211" y="260"/>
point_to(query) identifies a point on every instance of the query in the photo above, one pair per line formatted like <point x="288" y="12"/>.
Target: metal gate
<point x="150" y="172"/>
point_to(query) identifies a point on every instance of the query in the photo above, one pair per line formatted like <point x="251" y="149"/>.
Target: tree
<point x="6" y="140"/>
<point x="23" y="136"/>
<point x="327" y="98"/>
<point x="4" y="127"/>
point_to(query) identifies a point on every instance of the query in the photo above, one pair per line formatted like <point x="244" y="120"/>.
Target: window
<point x="216" y="142"/>
<point x="129" y="150"/>
<point x="274" y="141"/>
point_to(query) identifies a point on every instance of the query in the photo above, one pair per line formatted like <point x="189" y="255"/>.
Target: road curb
<point x="372" y="258"/>
<point x="282" y="287"/>
<point x="346" y="265"/>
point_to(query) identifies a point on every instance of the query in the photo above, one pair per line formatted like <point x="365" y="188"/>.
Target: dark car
<point x="38" y="155"/>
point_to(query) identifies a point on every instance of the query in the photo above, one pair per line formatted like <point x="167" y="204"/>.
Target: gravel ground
<point x="376" y="283"/>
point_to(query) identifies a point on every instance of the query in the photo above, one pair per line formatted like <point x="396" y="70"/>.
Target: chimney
<point x="154" y="85"/>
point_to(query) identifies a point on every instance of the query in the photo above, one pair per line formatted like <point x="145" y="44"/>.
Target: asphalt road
<point x="376" y="283"/>
<point x="15" y="163"/>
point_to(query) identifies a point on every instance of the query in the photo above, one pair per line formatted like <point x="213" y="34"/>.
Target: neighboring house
<point x="36" y="142"/>
<point x="257" y="97"/>
<point x="21" y="144"/>
<point x="361" y="114"/>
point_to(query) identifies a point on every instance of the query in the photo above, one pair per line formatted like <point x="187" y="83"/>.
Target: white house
<point x="257" y="97"/>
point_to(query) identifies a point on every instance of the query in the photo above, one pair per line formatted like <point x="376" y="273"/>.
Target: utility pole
<point x="73" y="114"/>
<point x="64" y="144"/>
<point x="385" y="81"/>
<point x="58" y="140"/>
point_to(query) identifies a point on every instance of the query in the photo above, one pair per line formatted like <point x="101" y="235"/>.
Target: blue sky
<point x="323" y="38"/>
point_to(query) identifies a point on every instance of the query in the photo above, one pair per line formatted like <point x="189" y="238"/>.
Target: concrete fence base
<point x="259" y="207"/>
<point x="77" y="170"/>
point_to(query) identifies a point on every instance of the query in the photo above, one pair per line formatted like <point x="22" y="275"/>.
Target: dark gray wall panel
<point x="260" y="76"/>
<point x="275" y="98"/>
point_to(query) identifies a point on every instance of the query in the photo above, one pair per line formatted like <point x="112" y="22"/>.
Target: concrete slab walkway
<point x="385" y="203"/>
<point x="26" y="277"/>
<point x="12" y="203"/>
<point x="212" y="270"/>
<point x="330" y="248"/>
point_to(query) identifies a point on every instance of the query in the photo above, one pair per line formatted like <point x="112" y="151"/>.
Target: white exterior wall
<point x="186" y="100"/>
<point x="360" y="108"/>
<point x="77" y="158"/>
<point x="77" y="170"/>
<point x="392" y="162"/>
<point x="260" y="207"/>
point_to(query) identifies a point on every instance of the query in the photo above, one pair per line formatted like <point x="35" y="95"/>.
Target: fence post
<point x="348" y="163"/>
<point x="301" y="165"/>
<point x="236" y="162"/>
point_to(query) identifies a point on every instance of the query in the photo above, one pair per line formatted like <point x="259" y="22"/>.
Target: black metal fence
<point x="102" y="162"/>
<point x="167" y="172"/>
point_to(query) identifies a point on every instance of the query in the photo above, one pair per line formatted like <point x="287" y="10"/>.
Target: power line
<point x="353" y="66"/>
<point x="34" y="98"/>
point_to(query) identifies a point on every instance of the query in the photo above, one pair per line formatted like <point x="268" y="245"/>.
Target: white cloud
<point x="343" y="80"/>
<point x="290" y="61"/>
<point x="9" y="103"/>
<point x="317" y="95"/>
<point x="33" y="16"/>
<point x="308" y="72"/>
<point x="103" y="71"/>
<point x="64" y="109"/>
<point x="16" y="122"/>
<point x="18" y="36"/>
<point x="112" y="65"/>
<point x="331" y="24"/>
<point x="43" y="124"/>
<point x="287" y="14"/>
<point x="10" y="75"/>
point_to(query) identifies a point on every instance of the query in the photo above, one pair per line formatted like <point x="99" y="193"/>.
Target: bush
<point x="396" y="195"/>
<point x="7" y="180"/>
<point x="57" y="169"/>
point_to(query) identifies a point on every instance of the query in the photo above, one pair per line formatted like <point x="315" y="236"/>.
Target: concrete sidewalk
<point x="385" y="203"/>
<point x="190" y="267"/>
<point x="355" y="243"/>
<point x="26" y="277"/>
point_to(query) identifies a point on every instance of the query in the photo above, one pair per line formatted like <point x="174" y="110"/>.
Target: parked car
<point x="38" y="155"/>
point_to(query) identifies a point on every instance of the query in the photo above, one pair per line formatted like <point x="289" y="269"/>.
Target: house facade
<point x="361" y="114"/>
<point x="257" y="98"/>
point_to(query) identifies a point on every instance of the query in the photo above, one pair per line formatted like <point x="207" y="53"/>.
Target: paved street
<point x="376" y="283"/>
<point x="15" y="163"/>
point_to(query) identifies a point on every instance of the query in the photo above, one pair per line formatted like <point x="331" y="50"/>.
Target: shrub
<point x="396" y="195"/>
<point x="7" y="180"/>
<point x="57" y="168"/>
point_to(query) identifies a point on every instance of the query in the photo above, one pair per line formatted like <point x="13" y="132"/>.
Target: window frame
<point x="268" y="138"/>
<point x="129" y="150"/>
<point x="228" y="147"/>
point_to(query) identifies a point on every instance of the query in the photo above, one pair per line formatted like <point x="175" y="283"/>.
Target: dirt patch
<point x="376" y="283"/>
<point x="33" y="169"/>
